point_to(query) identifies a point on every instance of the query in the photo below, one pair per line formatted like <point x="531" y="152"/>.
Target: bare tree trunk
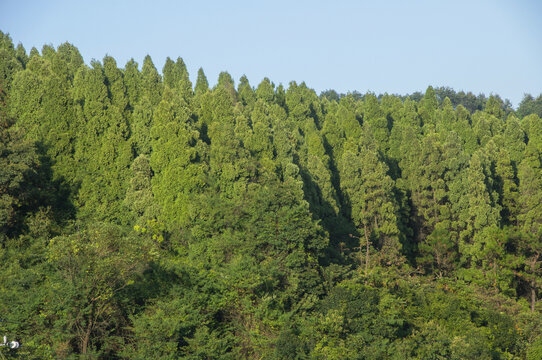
<point x="435" y="212"/>
<point x="86" y="339"/>
<point x="533" y="295"/>
<point x="533" y="281"/>
<point x="366" y="253"/>
<point x="360" y="254"/>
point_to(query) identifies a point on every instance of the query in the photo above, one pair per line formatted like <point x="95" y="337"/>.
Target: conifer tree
<point x="514" y="138"/>
<point x="21" y="55"/>
<point x="176" y="77"/>
<point x="151" y="81"/>
<point x="133" y="82"/>
<point x="185" y="85"/>
<point x="67" y="61"/>
<point x="103" y="152"/>
<point x="369" y="192"/>
<point x="377" y="123"/>
<point x="259" y="139"/>
<point x="41" y="99"/>
<point x="19" y="163"/>
<point x="427" y="109"/>
<point x="202" y="85"/>
<point x="9" y="64"/>
<point x="507" y="187"/>
<point x="139" y="198"/>
<point x="482" y="213"/>
<point x="176" y="160"/>
<point x="171" y="74"/>
<point x="318" y="163"/>
<point x="266" y="90"/>
<point x="446" y="116"/>
<point x="245" y="91"/>
<point x="226" y="84"/>
<point x="142" y="122"/>
<point x="530" y="221"/>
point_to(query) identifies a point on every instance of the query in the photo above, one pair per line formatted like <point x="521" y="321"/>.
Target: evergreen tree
<point x="202" y="85"/>
<point x="514" y="138"/>
<point x="369" y="192"/>
<point x="151" y="81"/>
<point x="482" y="212"/>
<point x="176" y="77"/>
<point x="428" y="107"/>
<point x="9" y="64"/>
<point x="266" y="90"/>
<point x="142" y="219"/>
<point x="507" y="187"/>
<point x="245" y="91"/>
<point x="19" y="162"/>
<point x="529" y="105"/>
<point x="139" y="198"/>
<point x="176" y="161"/>
<point x="530" y="220"/>
<point x="132" y="81"/>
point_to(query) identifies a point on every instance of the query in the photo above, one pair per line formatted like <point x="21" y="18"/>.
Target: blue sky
<point x="380" y="46"/>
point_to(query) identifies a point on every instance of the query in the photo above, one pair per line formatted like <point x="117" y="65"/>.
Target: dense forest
<point x="146" y="217"/>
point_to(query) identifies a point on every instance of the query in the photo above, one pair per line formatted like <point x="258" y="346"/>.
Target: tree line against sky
<point x="143" y="216"/>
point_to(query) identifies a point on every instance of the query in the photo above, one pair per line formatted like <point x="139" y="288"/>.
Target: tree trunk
<point x="86" y="339"/>
<point x="366" y="253"/>
<point x="533" y="281"/>
<point x="533" y="295"/>
<point x="435" y="204"/>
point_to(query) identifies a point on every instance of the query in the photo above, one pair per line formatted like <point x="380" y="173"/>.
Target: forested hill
<point x="146" y="217"/>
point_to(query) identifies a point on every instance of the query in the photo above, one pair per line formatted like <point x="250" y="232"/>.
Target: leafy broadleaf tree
<point x="93" y="269"/>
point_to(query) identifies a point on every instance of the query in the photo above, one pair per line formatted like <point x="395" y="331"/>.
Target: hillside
<point x="146" y="217"/>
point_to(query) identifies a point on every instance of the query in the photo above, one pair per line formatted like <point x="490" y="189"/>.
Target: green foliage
<point x="530" y="105"/>
<point x="141" y="218"/>
<point x="10" y="63"/>
<point x="202" y="85"/>
<point x="151" y="81"/>
<point x="19" y="162"/>
<point x="93" y="268"/>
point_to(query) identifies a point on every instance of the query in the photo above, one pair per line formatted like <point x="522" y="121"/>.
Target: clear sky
<point x="397" y="46"/>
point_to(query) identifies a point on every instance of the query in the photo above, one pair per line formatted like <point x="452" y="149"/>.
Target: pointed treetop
<point x="148" y="66"/>
<point x="48" y="51"/>
<point x="266" y="90"/>
<point x="69" y="53"/>
<point x="225" y="80"/>
<point x="34" y="52"/>
<point x="185" y="85"/>
<point x="494" y="106"/>
<point x="109" y="62"/>
<point x="202" y="85"/>
<point x="21" y="54"/>
<point x="152" y="82"/>
<point x="5" y="41"/>
<point x="171" y="77"/>
<point x="447" y="103"/>
<point x="246" y="92"/>
<point x="243" y="82"/>
<point x="430" y="97"/>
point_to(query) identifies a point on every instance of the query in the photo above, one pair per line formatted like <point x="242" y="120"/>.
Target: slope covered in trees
<point x="144" y="216"/>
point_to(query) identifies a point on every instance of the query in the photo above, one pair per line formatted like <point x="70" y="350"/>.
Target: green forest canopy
<point x="146" y="217"/>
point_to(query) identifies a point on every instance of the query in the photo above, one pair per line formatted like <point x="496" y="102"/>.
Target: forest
<point x="143" y="216"/>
